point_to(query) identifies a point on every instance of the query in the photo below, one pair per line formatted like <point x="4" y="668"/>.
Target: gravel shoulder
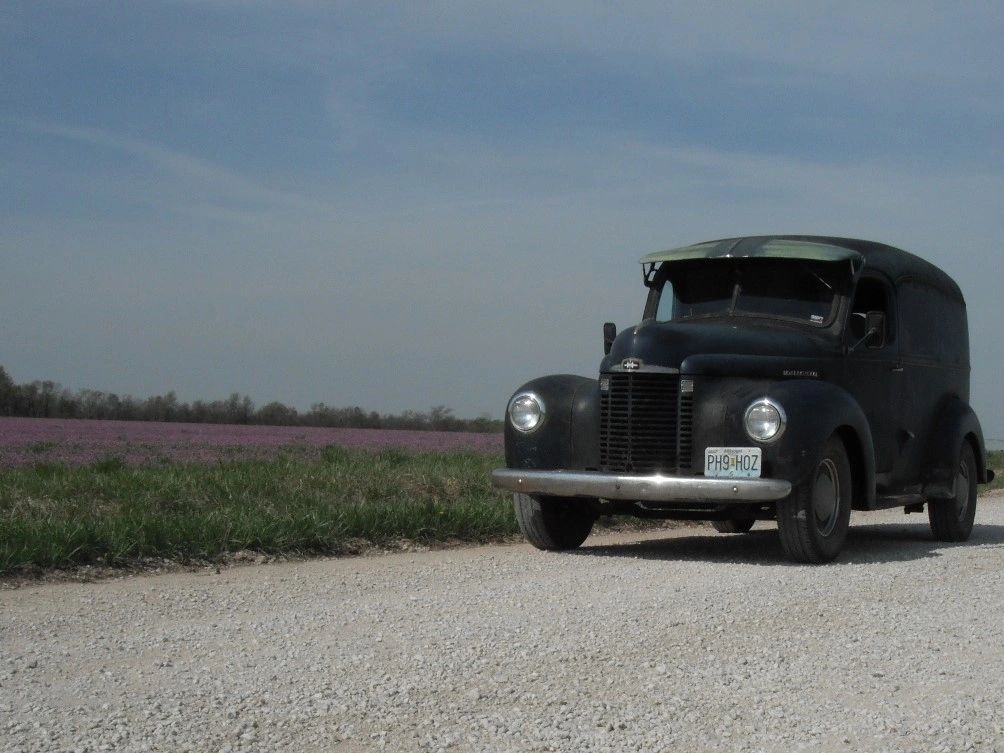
<point x="682" y="640"/>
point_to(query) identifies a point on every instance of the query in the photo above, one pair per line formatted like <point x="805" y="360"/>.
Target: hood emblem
<point x="631" y="364"/>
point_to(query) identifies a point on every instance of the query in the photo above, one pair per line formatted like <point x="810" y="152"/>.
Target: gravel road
<point x="676" y="641"/>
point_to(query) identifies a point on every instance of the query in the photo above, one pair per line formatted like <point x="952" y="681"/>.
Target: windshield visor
<point x="798" y="291"/>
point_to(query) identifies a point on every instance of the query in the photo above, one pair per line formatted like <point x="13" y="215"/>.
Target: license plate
<point x="732" y="462"/>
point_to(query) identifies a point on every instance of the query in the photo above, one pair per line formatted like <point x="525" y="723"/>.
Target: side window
<point x="934" y="326"/>
<point x="665" y="312"/>
<point x="870" y="310"/>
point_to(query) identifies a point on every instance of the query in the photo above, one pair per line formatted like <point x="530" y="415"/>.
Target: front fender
<point x="816" y="410"/>
<point x="956" y="422"/>
<point x="567" y="437"/>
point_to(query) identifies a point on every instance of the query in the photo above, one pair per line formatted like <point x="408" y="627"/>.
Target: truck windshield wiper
<point x="736" y="289"/>
<point x="814" y="274"/>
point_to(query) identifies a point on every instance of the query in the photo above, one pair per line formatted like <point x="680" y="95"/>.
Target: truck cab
<point x="792" y="378"/>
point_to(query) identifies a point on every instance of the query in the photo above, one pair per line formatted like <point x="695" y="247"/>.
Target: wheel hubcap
<point x="962" y="491"/>
<point x="826" y="497"/>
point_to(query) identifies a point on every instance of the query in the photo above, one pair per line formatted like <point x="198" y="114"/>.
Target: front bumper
<point x="650" y="488"/>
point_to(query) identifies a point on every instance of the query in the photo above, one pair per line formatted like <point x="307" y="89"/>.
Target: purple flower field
<point x="29" y="441"/>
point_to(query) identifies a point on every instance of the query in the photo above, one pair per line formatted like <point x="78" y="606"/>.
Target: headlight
<point x="765" y="420"/>
<point x="526" y="411"/>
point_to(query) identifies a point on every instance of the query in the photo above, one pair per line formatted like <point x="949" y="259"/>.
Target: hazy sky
<point x="406" y="204"/>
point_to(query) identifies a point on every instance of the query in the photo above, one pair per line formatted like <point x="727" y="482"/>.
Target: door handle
<point x="897" y="369"/>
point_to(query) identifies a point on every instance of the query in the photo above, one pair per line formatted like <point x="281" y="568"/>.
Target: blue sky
<point x="401" y="205"/>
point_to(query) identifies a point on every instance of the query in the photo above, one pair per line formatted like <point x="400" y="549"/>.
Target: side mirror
<point x="609" y="334"/>
<point x="875" y="329"/>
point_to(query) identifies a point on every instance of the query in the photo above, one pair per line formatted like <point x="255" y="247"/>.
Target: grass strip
<point x="295" y="503"/>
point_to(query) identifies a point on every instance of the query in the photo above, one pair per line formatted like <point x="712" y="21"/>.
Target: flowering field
<point x="31" y="441"/>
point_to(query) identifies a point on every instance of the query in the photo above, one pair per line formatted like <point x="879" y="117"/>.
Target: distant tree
<point x="238" y="409"/>
<point x="324" y="415"/>
<point x="26" y="400"/>
<point x="46" y="398"/>
<point x="8" y="393"/>
<point x="67" y="405"/>
<point x="199" y="412"/>
<point x="92" y="404"/>
<point x="160" y="408"/>
<point x="441" y="418"/>
<point x="122" y="409"/>
<point x="276" y="414"/>
<point x="485" y="423"/>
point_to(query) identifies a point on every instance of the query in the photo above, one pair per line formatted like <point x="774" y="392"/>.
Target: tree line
<point x="47" y="399"/>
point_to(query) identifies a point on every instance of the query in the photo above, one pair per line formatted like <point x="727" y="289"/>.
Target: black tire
<point x="553" y="523"/>
<point x="735" y="525"/>
<point x="952" y="519"/>
<point x="813" y="520"/>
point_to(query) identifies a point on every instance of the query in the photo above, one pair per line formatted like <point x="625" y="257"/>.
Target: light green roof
<point x="766" y="248"/>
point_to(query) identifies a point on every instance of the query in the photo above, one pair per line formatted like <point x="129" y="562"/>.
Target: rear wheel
<point x="553" y="523"/>
<point x="952" y="519"/>
<point x="735" y="525"/>
<point x="814" y="518"/>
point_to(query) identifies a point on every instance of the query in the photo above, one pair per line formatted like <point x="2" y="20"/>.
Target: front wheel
<point x="952" y="519"/>
<point x="553" y="523"/>
<point x="813" y="519"/>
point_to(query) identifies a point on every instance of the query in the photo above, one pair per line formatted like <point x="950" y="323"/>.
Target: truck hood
<point x="722" y="347"/>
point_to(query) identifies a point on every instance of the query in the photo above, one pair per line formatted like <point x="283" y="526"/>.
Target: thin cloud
<point x="223" y="185"/>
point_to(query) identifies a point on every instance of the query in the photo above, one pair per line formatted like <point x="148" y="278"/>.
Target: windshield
<point x="801" y="291"/>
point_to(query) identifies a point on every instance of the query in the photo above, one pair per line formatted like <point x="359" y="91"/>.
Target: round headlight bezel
<point x="782" y="420"/>
<point x="526" y="398"/>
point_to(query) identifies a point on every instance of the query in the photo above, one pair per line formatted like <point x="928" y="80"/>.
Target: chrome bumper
<point x="655" y="488"/>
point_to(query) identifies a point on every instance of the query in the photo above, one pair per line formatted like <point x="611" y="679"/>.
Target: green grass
<point x="109" y="513"/>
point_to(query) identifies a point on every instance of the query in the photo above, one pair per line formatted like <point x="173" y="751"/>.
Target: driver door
<point x="874" y="374"/>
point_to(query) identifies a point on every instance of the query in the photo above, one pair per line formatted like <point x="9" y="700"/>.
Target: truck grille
<point x="646" y="425"/>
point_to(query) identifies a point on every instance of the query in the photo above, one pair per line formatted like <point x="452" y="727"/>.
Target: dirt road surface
<point x="686" y="640"/>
